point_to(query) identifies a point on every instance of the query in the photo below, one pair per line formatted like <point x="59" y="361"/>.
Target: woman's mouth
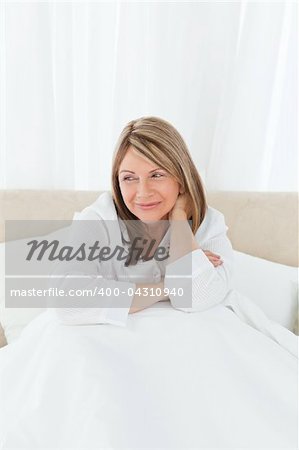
<point x="146" y="206"/>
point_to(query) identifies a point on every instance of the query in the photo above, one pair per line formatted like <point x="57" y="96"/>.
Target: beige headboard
<point x="260" y="223"/>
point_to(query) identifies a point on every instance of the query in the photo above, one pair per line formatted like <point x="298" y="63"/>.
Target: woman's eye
<point x="155" y="175"/>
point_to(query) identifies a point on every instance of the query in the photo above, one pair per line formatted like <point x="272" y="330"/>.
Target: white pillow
<point x="272" y="286"/>
<point x="14" y="320"/>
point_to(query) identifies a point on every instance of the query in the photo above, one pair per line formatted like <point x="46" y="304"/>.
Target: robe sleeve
<point x="202" y="284"/>
<point x="94" y="307"/>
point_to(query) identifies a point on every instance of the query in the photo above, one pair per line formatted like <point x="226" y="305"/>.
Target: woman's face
<point x="149" y="192"/>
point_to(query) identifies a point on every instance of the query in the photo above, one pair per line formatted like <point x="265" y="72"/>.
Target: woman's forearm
<point x="147" y="294"/>
<point x="182" y="240"/>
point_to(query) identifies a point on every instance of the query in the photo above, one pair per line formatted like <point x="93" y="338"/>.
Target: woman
<point x="159" y="378"/>
<point x="154" y="181"/>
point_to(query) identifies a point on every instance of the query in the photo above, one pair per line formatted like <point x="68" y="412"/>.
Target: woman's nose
<point x="143" y="189"/>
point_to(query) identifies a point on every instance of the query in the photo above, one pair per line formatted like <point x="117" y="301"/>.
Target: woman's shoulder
<point x="102" y="208"/>
<point x="213" y="215"/>
<point x="213" y="224"/>
<point x="100" y="218"/>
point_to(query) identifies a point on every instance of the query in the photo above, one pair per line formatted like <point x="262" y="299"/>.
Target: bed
<point x="263" y="230"/>
<point x="260" y="224"/>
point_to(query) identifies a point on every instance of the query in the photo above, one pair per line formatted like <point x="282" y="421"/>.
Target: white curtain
<point x="74" y="73"/>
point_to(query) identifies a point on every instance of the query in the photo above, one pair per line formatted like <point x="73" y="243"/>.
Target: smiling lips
<point x="147" y="205"/>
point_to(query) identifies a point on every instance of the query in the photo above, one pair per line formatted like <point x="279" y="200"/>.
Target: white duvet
<point x="223" y="378"/>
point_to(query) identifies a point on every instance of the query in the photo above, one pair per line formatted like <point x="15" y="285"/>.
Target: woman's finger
<point x="215" y="261"/>
<point x="208" y="253"/>
<point x="216" y="264"/>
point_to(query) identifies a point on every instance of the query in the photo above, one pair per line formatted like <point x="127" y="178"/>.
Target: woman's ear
<point x="181" y="190"/>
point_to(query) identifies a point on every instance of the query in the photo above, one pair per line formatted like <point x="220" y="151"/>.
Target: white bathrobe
<point x="210" y="285"/>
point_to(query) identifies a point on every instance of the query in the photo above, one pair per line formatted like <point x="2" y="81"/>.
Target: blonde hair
<point x="158" y="140"/>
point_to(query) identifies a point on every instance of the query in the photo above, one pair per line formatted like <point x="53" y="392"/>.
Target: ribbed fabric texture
<point x="92" y="276"/>
<point x="208" y="285"/>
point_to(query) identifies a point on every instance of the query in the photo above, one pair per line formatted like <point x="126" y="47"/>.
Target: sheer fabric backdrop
<point x="74" y="73"/>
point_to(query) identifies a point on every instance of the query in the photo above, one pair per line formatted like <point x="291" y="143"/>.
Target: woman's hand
<point x="182" y="211"/>
<point x="182" y="208"/>
<point x="214" y="258"/>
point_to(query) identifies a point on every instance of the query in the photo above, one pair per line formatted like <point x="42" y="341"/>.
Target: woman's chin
<point x="153" y="219"/>
<point x="151" y="216"/>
